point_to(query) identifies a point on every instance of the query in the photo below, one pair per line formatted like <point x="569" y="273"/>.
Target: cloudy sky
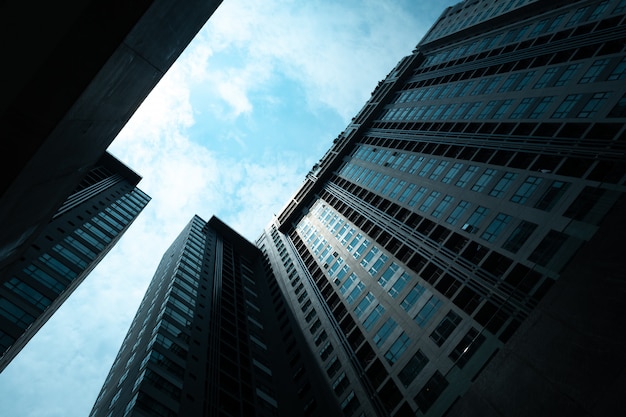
<point x="231" y="130"/>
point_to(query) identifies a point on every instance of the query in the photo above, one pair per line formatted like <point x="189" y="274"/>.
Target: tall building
<point x="74" y="74"/>
<point x="82" y="231"/>
<point x="213" y="336"/>
<point x="458" y="251"/>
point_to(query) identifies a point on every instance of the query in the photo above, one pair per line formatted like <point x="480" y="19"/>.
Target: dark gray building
<point x="461" y="242"/>
<point x="457" y="251"/>
<point x="213" y="336"/>
<point x="82" y="231"/>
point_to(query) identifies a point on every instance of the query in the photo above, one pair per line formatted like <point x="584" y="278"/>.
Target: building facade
<point x="449" y="241"/>
<point x="213" y="337"/>
<point x="83" y="230"/>
<point x="457" y="251"/>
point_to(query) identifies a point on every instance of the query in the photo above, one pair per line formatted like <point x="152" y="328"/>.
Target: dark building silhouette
<point x="82" y="231"/>
<point x="212" y="337"/>
<point x="73" y="74"/>
<point x="458" y="251"/>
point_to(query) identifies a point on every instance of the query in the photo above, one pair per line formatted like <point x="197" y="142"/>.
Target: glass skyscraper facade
<point x="83" y="230"/>
<point x="457" y="249"/>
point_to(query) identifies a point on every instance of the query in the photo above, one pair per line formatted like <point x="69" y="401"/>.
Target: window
<point x="445" y="328"/>
<point x="619" y="110"/>
<point x="388" y="274"/>
<point x="473" y="223"/>
<point x="521" y="108"/>
<point x="427" y="167"/>
<point x="508" y="83"/>
<point x="340" y="384"/>
<point x="414" y="366"/>
<point x="458" y="211"/>
<point x="594" y="71"/>
<point x="566" y="106"/>
<point x="593" y="105"/>
<point x="438" y="170"/>
<point x="525" y="80"/>
<point x="487" y="110"/>
<point x="541" y="107"/>
<point x="431" y="391"/>
<point x="364" y="304"/>
<point x="548" y="247"/>
<point x="399" y="285"/>
<point x="472" y="110"/>
<point x="484" y="180"/>
<point x="567" y="75"/>
<point x="351" y="298"/>
<point x="451" y="173"/>
<point x="466" y="348"/>
<point x="619" y="72"/>
<point x="15" y="314"/>
<point x="373" y="317"/>
<point x="467" y="176"/>
<point x="504" y="107"/>
<point x="526" y="190"/>
<point x="545" y="78"/>
<point x="519" y="236"/>
<point x="429" y="200"/>
<point x="443" y="205"/>
<point x="577" y="17"/>
<point x="503" y="184"/>
<point x="600" y="8"/>
<point x="412" y="297"/>
<point x="28" y="293"/>
<point x="552" y="195"/>
<point x="427" y="311"/>
<point x="397" y="348"/>
<point x="495" y="227"/>
<point x="492" y="85"/>
<point x="383" y="333"/>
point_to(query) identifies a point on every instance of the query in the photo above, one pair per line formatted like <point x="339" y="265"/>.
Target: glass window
<point x="495" y="227"/>
<point x="412" y="297"/>
<point x="427" y="311"/>
<point x="541" y="107"/>
<point x="373" y="317"/>
<point x="467" y="176"/>
<point x="383" y="333"/>
<point x="566" y="106"/>
<point x="445" y="328"/>
<point x="594" y="104"/>
<point x="508" y="83"/>
<point x="397" y="348"/>
<point x="525" y="80"/>
<point x="427" y="167"/>
<point x="15" y="314"/>
<point x="548" y="247"/>
<point x="619" y="110"/>
<point x="466" y="348"/>
<point x="526" y="189"/>
<point x="443" y="205"/>
<point x="405" y="194"/>
<point x="503" y="184"/>
<point x="351" y="298"/>
<point x="492" y="84"/>
<point x="452" y="173"/>
<point x="427" y="396"/>
<point x="472" y="110"/>
<point x="458" y="211"/>
<point x="364" y="304"/>
<point x="594" y="71"/>
<point x="388" y="274"/>
<point x="504" y="107"/>
<point x="488" y="109"/>
<point x="545" y="78"/>
<point x="567" y="74"/>
<point x="473" y="223"/>
<point x="619" y="72"/>
<point x="438" y="170"/>
<point x="521" y="108"/>
<point x="429" y="200"/>
<point x="519" y="236"/>
<point x="577" y="17"/>
<point x="552" y="195"/>
<point x="414" y="366"/>
<point x="399" y="285"/>
<point x="484" y="179"/>
<point x="28" y="293"/>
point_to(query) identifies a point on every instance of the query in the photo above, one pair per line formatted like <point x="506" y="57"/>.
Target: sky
<point x="231" y="130"/>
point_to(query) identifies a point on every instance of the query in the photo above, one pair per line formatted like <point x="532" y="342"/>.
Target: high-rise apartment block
<point x="82" y="231"/>
<point x="459" y="249"/>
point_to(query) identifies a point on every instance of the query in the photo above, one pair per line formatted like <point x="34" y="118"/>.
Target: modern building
<point x="458" y="250"/>
<point x="462" y="240"/>
<point x="74" y="72"/>
<point x="82" y="231"/>
<point x="213" y="336"/>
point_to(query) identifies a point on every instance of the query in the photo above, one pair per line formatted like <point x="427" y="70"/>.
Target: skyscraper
<point x="458" y="250"/>
<point x="83" y="230"/>
<point x="213" y="336"/>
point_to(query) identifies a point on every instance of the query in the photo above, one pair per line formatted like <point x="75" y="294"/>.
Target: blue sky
<point x="231" y="130"/>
